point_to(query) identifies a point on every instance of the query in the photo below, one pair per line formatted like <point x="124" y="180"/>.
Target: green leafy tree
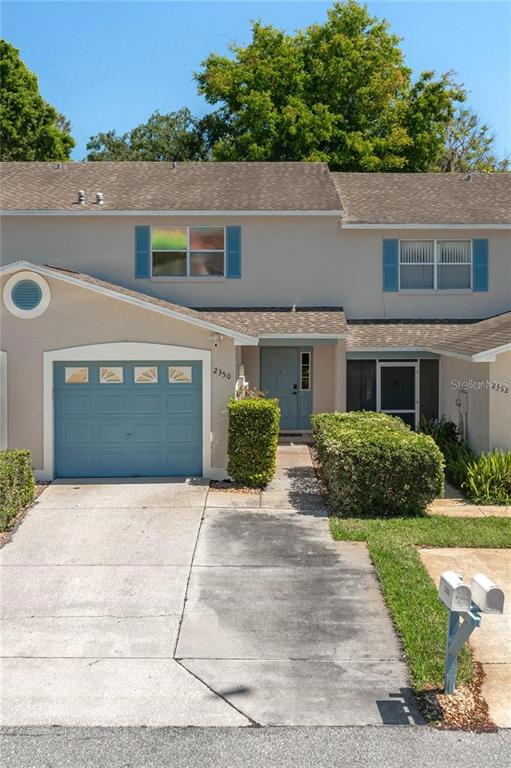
<point x="337" y="91"/>
<point x="469" y="146"/>
<point x="175" y="136"/>
<point x="30" y="128"/>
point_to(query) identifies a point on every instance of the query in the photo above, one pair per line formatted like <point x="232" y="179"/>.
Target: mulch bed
<point x="6" y="536"/>
<point x="226" y="486"/>
<point x="467" y="710"/>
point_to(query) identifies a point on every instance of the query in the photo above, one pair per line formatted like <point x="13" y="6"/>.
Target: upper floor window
<point x="435" y="264"/>
<point x="188" y="251"/>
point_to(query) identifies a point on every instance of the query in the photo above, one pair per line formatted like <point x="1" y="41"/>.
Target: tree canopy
<point x="338" y="91"/>
<point x="469" y="146"/>
<point x="30" y="127"/>
<point x="175" y="136"/>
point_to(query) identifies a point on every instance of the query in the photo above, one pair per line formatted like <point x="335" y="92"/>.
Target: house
<point x="134" y="295"/>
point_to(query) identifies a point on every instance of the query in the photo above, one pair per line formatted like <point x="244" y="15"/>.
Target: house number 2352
<point x="220" y="372"/>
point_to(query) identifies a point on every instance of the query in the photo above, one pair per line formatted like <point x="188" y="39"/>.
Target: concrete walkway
<point x="491" y="643"/>
<point x="165" y="603"/>
<point x="454" y="504"/>
<point x="284" y="622"/>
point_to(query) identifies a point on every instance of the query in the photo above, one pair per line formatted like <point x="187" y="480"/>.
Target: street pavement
<point x="359" y="747"/>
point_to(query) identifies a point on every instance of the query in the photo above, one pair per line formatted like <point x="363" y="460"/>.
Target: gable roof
<point x="326" y="322"/>
<point x="144" y="300"/>
<point x="478" y="340"/>
<point x="425" y="198"/>
<point x="168" y="187"/>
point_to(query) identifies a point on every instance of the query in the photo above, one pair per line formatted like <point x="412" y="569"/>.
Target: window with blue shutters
<point x="188" y="252"/>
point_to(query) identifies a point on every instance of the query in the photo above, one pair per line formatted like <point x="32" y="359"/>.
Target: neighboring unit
<point x="135" y="295"/>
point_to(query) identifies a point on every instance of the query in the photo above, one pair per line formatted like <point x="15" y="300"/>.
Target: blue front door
<point x="286" y="373"/>
<point x="128" y="419"/>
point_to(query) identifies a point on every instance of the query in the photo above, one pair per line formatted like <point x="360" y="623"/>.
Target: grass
<point x="411" y="596"/>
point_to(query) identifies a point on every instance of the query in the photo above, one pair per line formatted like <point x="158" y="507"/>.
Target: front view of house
<point x="136" y="296"/>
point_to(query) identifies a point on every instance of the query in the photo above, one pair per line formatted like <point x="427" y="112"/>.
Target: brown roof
<point x="187" y="312"/>
<point x="464" y="337"/>
<point x="268" y="321"/>
<point x="251" y="322"/>
<point x="425" y="198"/>
<point x="155" y="186"/>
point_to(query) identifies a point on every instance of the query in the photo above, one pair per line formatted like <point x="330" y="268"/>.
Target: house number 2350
<point x="220" y="372"/>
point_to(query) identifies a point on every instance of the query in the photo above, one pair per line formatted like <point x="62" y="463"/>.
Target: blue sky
<point x="111" y="64"/>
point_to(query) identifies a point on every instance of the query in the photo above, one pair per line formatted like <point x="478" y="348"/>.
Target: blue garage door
<point x="128" y="419"/>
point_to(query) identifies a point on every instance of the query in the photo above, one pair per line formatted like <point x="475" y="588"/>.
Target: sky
<point x="110" y="64"/>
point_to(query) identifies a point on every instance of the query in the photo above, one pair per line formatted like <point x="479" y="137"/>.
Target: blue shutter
<point x="480" y="265"/>
<point x="233" y="252"/>
<point x="390" y="265"/>
<point x="142" y="251"/>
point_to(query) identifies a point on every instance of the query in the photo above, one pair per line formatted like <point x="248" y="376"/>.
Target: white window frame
<point x="398" y="364"/>
<point x="436" y="264"/>
<point x="302" y="353"/>
<point x="189" y="276"/>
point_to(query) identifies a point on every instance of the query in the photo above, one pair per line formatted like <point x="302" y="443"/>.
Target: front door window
<point x="398" y="390"/>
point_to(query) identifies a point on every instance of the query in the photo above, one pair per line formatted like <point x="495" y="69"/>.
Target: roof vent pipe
<point x="99" y="198"/>
<point x="174" y="165"/>
<point x="81" y="196"/>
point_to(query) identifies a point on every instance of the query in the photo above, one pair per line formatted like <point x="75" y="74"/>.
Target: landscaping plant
<point x="253" y="438"/>
<point x="485" y="479"/>
<point x="488" y="478"/>
<point x="17" y="484"/>
<point x="373" y="465"/>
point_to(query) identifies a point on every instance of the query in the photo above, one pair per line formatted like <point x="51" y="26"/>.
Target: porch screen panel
<point x="428" y="374"/>
<point x="361" y="385"/>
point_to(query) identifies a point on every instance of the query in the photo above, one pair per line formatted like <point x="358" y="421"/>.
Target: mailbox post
<point x="465" y="605"/>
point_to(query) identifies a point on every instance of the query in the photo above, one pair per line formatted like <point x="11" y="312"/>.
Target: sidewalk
<point x="454" y="504"/>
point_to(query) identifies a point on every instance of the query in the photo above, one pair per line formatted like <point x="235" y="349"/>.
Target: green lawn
<point x="410" y="594"/>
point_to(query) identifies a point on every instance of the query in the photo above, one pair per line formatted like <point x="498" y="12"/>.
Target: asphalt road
<point x="358" y="747"/>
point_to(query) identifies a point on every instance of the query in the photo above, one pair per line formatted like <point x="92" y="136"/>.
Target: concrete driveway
<point x="154" y="603"/>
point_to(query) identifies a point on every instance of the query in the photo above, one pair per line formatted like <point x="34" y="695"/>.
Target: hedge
<point x="17" y="484"/>
<point x="253" y="439"/>
<point x="373" y="465"/>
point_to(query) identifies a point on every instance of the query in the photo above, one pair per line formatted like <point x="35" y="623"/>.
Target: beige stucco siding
<point x="500" y="402"/>
<point x="307" y="260"/>
<point x="77" y="317"/>
<point x="465" y="398"/>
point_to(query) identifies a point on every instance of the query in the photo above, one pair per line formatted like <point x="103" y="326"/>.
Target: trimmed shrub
<point x="488" y="478"/>
<point x="253" y="439"/>
<point x="373" y="465"/>
<point x="17" y="484"/>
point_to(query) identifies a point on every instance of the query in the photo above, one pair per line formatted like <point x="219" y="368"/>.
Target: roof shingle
<point x="159" y="186"/>
<point x="464" y="337"/>
<point x="425" y="198"/>
<point x="268" y="321"/>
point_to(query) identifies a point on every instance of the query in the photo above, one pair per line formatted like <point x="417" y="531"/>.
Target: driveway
<point x="164" y="603"/>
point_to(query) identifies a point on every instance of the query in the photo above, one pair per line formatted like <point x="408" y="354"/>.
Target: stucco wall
<point x="285" y="260"/>
<point x="324" y="379"/>
<point x="465" y="398"/>
<point x="77" y="317"/>
<point x="500" y="402"/>
<point x="251" y="359"/>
